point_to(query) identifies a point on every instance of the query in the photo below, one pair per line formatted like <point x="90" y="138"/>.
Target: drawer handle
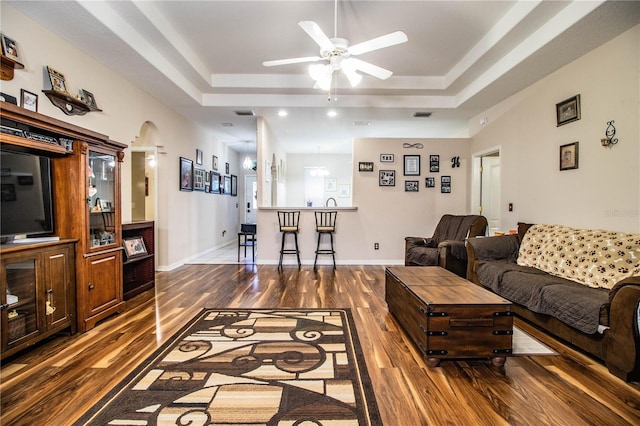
<point x="503" y="314"/>
<point x="471" y="322"/>
<point x="503" y="332"/>
<point x="437" y="333"/>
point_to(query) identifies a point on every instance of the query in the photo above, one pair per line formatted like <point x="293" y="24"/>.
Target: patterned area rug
<point x="249" y="367"/>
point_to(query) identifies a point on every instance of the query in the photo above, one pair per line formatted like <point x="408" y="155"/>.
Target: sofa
<point x="446" y="248"/>
<point x="582" y="286"/>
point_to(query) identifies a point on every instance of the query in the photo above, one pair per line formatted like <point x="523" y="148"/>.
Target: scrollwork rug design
<point x="249" y="367"/>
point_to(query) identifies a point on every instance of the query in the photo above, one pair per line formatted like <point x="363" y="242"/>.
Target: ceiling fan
<point x="340" y="55"/>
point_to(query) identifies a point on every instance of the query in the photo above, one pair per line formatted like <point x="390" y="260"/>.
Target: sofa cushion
<point x="595" y="258"/>
<point x="579" y="306"/>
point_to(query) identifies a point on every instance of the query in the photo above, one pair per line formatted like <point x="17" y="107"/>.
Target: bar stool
<point x="325" y="225"/>
<point x="289" y="222"/>
<point x="247" y="238"/>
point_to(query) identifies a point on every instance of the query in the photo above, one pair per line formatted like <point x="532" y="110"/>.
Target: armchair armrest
<point x="453" y="248"/>
<point x="419" y="241"/>
<point x="623" y="341"/>
<point x="493" y="248"/>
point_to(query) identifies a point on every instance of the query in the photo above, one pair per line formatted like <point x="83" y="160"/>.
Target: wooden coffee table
<point x="447" y="316"/>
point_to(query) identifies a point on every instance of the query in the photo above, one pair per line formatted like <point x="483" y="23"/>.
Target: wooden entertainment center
<point x="75" y="281"/>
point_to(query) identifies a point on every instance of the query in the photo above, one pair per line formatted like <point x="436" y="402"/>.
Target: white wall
<point x="384" y="215"/>
<point x="604" y="191"/>
<point x="187" y="223"/>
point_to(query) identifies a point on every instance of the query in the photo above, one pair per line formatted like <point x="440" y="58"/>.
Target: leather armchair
<point x="446" y="247"/>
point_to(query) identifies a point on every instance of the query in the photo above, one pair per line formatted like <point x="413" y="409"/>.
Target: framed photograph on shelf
<point x="198" y="156"/>
<point x="214" y="163"/>
<point x="387" y="158"/>
<point x="365" y="166"/>
<point x="198" y="179"/>
<point x="568" y="111"/>
<point x="411" y="186"/>
<point x="88" y="98"/>
<point x="445" y="184"/>
<point x="10" y="48"/>
<point x="387" y="178"/>
<point x="234" y="185"/>
<point x="569" y="156"/>
<point x="434" y="163"/>
<point x="215" y="182"/>
<point x="134" y="247"/>
<point x="186" y="174"/>
<point x="430" y="182"/>
<point x="106" y="205"/>
<point x="412" y="165"/>
<point x="28" y="100"/>
<point x="57" y="81"/>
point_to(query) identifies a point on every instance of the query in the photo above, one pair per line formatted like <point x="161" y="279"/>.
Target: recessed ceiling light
<point x="332" y="113"/>
<point x="282" y="113"/>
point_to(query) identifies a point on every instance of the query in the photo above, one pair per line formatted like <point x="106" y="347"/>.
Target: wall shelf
<point x="67" y="103"/>
<point x="8" y="65"/>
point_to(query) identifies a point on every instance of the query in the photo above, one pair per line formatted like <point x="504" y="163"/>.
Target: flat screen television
<point x="26" y="202"/>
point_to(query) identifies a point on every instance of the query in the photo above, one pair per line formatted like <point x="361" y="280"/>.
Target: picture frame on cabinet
<point x="186" y="174"/>
<point x="568" y="111"/>
<point x="28" y="100"/>
<point x="387" y="178"/>
<point x="134" y="247"/>
<point x="215" y="182"/>
<point x="412" y="165"/>
<point x="57" y="81"/>
<point x="10" y="48"/>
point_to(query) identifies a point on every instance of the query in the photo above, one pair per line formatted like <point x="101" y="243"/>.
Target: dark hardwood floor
<point x="54" y="383"/>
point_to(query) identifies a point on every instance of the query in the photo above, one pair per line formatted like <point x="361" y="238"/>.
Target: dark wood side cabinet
<point x="37" y="293"/>
<point x="139" y="271"/>
<point x="85" y="169"/>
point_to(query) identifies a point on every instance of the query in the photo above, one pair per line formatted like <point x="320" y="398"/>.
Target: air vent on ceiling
<point x="422" y="114"/>
<point x="245" y="113"/>
<point x="361" y="123"/>
<point x="227" y="124"/>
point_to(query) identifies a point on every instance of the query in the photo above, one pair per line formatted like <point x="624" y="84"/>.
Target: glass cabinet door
<point x="101" y="198"/>
<point x="20" y="298"/>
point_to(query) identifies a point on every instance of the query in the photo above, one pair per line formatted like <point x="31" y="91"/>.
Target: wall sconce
<point x="610" y="133"/>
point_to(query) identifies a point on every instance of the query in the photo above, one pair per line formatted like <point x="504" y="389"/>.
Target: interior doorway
<point x="486" y="188"/>
<point x="143" y="183"/>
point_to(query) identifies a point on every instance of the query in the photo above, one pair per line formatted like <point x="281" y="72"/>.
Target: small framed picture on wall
<point x="569" y="156"/>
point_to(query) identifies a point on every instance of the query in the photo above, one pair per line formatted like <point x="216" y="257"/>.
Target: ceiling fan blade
<point x="291" y="61"/>
<point x="387" y="40"/>
<point x="316" y="33"/>
<point x="369" y="68"/>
